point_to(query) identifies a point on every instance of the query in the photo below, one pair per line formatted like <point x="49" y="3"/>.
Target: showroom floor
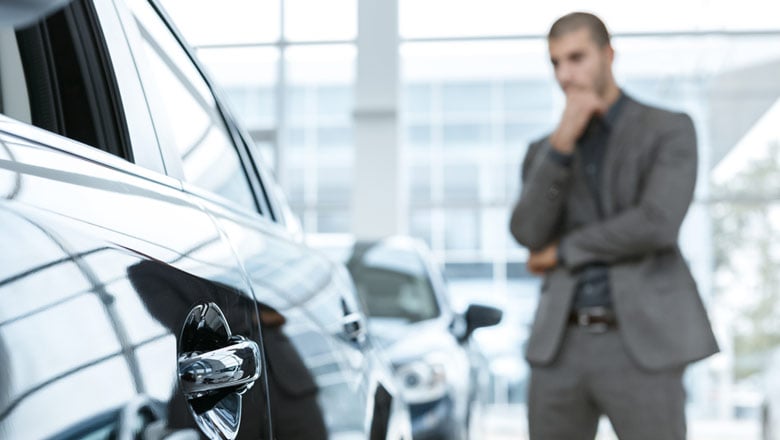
<point x="502" y="423"/>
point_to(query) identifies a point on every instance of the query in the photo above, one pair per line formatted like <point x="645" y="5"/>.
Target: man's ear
<point x="610" y="53"/>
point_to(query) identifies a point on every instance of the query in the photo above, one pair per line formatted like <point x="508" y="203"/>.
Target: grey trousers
<point x="592" y="376"/>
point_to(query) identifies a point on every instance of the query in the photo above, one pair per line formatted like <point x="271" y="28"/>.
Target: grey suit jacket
<point x="648" y="179"/>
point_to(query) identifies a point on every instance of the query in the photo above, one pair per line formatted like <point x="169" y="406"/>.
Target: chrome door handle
<point x="353" y="326"/>
<point x="236" y="365"/>
<point x="215" y="369"/>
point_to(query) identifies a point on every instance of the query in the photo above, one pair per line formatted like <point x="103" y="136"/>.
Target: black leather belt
<point x="596" y="319"/>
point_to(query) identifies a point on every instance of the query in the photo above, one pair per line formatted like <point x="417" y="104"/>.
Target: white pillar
<point x="377" y="206"/>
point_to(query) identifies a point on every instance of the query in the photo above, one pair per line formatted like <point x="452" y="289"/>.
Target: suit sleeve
<point x="653" y="223"/>
<point x="546" y="178"/>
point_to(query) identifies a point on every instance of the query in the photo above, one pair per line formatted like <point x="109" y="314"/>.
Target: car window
<point x="393" y="294"/>
<point x="56" y="74"/>
<point x="186" y="114"/>
<point x="393" y="283"/>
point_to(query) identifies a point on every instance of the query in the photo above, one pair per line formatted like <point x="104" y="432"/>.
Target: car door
<point x="122" y="305"/>
<point x="319" y="379"/>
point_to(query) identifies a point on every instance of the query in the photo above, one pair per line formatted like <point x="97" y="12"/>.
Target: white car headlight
<point x="422" y="380"/>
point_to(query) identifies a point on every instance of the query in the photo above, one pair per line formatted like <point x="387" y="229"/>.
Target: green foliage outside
<point x="746" y="223"/>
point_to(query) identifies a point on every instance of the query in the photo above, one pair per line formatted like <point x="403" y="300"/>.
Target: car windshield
<point x="393" y="294"/>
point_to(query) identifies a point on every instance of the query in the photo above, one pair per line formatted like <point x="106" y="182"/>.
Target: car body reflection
<point x="128" y="204"/>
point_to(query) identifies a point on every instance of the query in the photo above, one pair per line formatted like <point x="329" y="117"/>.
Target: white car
<point x="412" y="318"/>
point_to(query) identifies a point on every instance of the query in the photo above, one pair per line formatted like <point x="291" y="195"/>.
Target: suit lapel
<point x="619" y="140"/>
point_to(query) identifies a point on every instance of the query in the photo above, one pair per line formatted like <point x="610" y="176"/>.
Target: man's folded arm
<point x="546" y="178"/>
<point x="652" y="224"/>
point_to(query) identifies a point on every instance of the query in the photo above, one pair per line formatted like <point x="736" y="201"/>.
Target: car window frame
<point x="69" y="48"/>
<point x="110" y="54"/>
<point x="171" y="158"/>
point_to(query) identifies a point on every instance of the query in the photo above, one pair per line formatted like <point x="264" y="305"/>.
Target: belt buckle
<point x="584" y="320"/>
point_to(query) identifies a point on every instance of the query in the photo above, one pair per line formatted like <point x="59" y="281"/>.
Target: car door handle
<point x="233" y="366"/>
<point x="353" y="326"/>
<point x="216" y="368"/>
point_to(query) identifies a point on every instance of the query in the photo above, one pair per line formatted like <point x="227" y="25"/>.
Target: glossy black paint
<point x="103" y="260"/>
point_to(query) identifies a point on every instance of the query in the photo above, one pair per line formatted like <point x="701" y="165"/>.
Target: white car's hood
<point x="402" y="340"/>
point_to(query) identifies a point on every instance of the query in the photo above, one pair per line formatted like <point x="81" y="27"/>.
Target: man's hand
<point x="581" y="106"/>
<point x="541" y="261"/>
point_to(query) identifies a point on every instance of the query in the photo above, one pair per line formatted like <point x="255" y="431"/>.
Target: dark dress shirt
<point x="592" y="288"/>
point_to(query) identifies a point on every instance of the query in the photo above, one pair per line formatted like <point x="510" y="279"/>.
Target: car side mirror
<point x="478" y="316"/>
<point x="20" y="13"/>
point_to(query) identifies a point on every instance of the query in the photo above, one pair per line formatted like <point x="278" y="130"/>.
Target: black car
<point x="411" y="316"/>
<point x="151" y="285"/>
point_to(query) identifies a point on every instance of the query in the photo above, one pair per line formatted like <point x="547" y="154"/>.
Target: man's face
<point x="579" y="63"/>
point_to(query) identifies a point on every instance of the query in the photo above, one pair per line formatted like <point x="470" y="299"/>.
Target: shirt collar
<point x="614" y="110"/>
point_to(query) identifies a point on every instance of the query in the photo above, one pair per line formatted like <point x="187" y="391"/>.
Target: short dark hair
<point x="578" y="20"/>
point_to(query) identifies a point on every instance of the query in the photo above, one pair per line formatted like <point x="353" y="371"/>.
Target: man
<point x="600" y="210"/>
